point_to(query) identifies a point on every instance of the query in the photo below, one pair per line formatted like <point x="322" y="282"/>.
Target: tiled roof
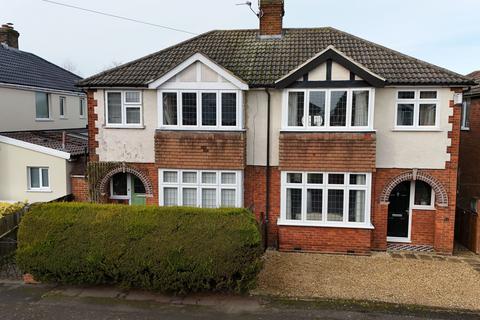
<point x="75" y="142"/>
<point x="23" y="68"/>
<point x="261" y="62"/>
<point x="475" y="90"/>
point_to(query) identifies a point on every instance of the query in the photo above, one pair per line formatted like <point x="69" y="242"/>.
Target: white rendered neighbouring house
<point x="336" y="143"/>
<point x="43" y="118"/>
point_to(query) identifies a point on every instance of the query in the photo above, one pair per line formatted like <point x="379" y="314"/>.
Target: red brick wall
<point x="334" y="240"/>
<point x="200" y="150"/>
<point x="92" y="130"/>
<point x="423" y="227"/>
<point x="271" y="19"/>
<point x="350" y="152"/>
<point x="80" y="188"/>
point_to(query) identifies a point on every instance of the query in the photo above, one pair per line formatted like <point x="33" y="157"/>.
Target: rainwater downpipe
<point x="267" y="171"/>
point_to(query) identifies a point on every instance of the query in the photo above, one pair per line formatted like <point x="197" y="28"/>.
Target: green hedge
<point x="176" y="250"/>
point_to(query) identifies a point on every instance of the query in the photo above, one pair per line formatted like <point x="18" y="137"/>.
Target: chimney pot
<point x="271" y="18"/>
<point x="9" y="35"/>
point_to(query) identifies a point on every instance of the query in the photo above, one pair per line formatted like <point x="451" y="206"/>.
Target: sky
<point x="442" y="32"/>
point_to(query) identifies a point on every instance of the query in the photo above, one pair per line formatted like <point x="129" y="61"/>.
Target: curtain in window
<point x="357" y="206"/>
<point x="170" y="109"/>
<point x="42" y="111"/>
<point x="114" y="107"/>
<point x="427" y="114"/>
<point x="360" y="108"/>
<point x="295" y="109"/>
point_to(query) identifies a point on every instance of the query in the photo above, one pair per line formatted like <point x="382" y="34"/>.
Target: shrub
<point x="171" y="249"/>
<point x="9" y="208"/>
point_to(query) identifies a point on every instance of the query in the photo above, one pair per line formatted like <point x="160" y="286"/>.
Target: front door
<point x="138" y="191"/>
<point x="399" y="213"/>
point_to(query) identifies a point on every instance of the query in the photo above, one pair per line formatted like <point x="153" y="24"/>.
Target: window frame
<point x="129" y="191"/>
<point x="413" y="188"/>
<point x="62" y="107"/>
<point x="82" y="111"/>
<point x="200" y="186"/>
<point x="325" y="186"/>
<point x="417" y="101"/>
<point x="327" y="127"/>
<point x="49" y="106"/>
<point x="466" y="104"/>
<point x="124" y="107"/>
<point x="199" y="126"/>
<point x="41" y="187"/>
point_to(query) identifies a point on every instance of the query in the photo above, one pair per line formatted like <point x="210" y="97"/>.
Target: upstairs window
<point x="63" y="106"/>
<point x="210" y="109"/>
<point x="124" y="108"/>
<point x="417" y="109"/>
<point x="42" y="106"/>
<point x="466" y="114"/>
<point x="83" y="108"/>
<point x="329" y="110"/>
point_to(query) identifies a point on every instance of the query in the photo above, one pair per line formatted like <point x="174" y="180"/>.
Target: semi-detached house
<point x="337" y="143"/>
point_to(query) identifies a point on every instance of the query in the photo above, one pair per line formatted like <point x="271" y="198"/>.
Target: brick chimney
<point x="271" y="18"/>
<point x="9" y="35"/>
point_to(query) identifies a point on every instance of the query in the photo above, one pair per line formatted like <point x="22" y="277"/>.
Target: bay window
<point x="206" y="189"/>
<point x="417" y="109"/>
<point x="208" y="109"/>
<point x="329" y="110"/>
<point x="326" y="199"/>
<point x="123" y="108"/>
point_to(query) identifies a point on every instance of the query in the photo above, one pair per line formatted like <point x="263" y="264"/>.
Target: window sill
<point x="416" y="130"/>
<point x="138" y="127"/>
<point x="423" y="208"/>
<point x="332" y="130"/>
<point x="201" y="129"/>
<point x="324" y="225"/>
<point x="63" y="118"/>
<point x="43" y="120"/>
<point x="465" y="129"/>
<point x="39" y="191"/>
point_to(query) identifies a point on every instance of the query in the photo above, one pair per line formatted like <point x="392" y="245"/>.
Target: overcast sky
<point x="442" y="32"/>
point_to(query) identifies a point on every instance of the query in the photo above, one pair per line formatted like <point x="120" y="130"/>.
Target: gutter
<point x="267" y="171"/>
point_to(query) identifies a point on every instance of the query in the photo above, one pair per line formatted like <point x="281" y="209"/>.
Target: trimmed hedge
<point x="171" y="249"/>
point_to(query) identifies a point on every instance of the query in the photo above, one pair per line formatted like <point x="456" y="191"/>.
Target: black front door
<point x="399" y="211"/>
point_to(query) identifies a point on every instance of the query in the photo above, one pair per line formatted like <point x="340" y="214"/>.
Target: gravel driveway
<point x="449" y="283"/>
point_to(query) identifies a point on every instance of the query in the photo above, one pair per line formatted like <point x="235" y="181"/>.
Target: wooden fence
<point x="467" y="229"/>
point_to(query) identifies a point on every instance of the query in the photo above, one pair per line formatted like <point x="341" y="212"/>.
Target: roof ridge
<point x="442" y="69"/>
<point x="144" y="57"/>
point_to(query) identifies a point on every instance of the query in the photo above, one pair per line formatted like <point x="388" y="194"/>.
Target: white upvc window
<point x="417" y="109"/>
<point x="38" y="179"/>
<point x="466" y="114"/>
<point x="63" y="107"/>
<point x="42" y="106"/>
<point x="200" y="109"/>
<point x="326" y="199"/>
<point x="328" y="109"/>
<point x="124" y="109"/>
<point x="200" y="188"/>
<point x="83" y="108"/>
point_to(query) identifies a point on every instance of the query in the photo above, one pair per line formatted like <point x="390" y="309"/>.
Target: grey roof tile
<point x="262" y="62"/>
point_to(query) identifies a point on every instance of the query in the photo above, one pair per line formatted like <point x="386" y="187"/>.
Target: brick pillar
<point x="92" y="129"/>
<point x="380" y="221"/>
<point x="80" y="190"/>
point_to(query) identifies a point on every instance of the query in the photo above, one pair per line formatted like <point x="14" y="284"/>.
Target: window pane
<point x="114" y="100"/>
<point x="41" y="104"/>
<point x="82" y="107"/>
<point x="34" y="177"/>
<point x="209" y="177"/>
<point x="338" y="109"/>
<point x="190" y="197"/>
<point x="119" y="182"/>
<point x="62" y="106"/>
<point x="294" y="204"/>
<point x="294" y="178"/>
<point x="405" y="114"/>
<point x="428" y="94"/>
<point x="45" y="182"/>
<point x="316" y="111"/>
<point x="356" y="210"/>
<point x="358" y="179"/>
<point x="170" y="176"/>
<point x="466" y="113"/>
<point x="189" y="109"/>
<point x="170" y="197"/>
<point x="229" y="109"/>
<point x="335" y="205"/>
<point x="336" y="179"/>
<point x="229" y="178"/>
<point x="209" y="109"/>
<point x="209" y="198"/>
<point x="423" y="194"/>
<point x="295" y="109"/>
<point x="133" y="115"/>
<point x="138" y="186"/>
<point x="406" y="95"/>
<point x="360" y="108"/>
<point x="132" y="97"/>
<point x="228" y="198"/>
<point x="315" y="178"/>
<point x="189" y="177"/>
<point x="314" y="204"/>
<point x="427" y="114"/>
<point x="170" y="109"/>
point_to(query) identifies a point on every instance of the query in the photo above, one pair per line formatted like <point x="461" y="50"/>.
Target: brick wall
<point x="200" y="150"/>
<point x="92" y="130"/>
<point x="80" y="190"/>
<point x="350" y="152"/>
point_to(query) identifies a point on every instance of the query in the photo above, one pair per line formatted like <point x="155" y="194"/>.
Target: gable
<point x="330" y="68"/>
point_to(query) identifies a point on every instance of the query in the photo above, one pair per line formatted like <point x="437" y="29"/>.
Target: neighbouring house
<point x="337" y="144"/>
<point x="468" y="224"/>
<point x="43" y="135"/>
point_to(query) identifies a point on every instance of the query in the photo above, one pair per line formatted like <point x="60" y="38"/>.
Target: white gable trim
<point x="35" y="147"/>
<point x="330" y="47"/>
<point x="240" y="84"/>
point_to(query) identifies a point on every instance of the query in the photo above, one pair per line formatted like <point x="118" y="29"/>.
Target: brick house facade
<point x="333" y="152"/>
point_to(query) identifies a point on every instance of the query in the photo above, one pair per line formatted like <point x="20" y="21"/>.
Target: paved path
<point x="18" y="301"/>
